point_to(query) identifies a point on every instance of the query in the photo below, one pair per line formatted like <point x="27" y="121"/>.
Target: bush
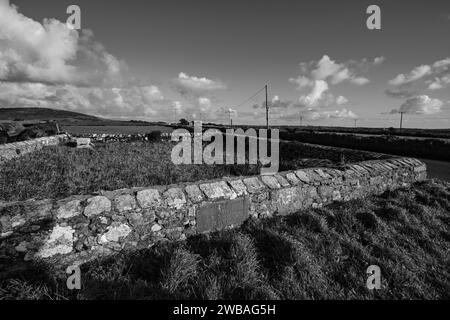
<point x="154" y="136"/>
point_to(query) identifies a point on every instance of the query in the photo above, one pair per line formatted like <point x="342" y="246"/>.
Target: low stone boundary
<point x="13" y="150"/>
<point x="82" y="228"/>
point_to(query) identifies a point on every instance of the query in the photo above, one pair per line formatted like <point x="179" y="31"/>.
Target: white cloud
<point x="436" y="75"/>
<point x="422" y="104"/>
<point x="135" y="101"/>
<point x="204" y="103"/>
<point x="315" y="115"/>
<point x="329" y="70"/>
<point x="199" y="83"/>
<point x="416" y="74"/>
<point x="319" y="76"/>
<point x="379" y="60"/>
<point x="316" y="94"/>
<point x="49" y="52"/>
<point x="341" y="100"/>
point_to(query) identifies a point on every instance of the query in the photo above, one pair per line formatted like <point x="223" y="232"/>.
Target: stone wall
<point x="17" y="149"/>
<point x="81" y="228"/>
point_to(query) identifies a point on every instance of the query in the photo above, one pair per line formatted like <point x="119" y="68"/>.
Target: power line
<point x="247" y="100"/>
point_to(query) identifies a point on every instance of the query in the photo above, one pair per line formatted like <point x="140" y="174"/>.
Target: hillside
<point x="43" y="114"/>
<point x="67" y="118"/>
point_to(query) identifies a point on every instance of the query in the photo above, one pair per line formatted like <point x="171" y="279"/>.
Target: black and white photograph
<point x="225" y="158"/>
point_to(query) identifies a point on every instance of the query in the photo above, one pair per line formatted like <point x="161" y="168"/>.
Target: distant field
<point x="74" y="130"/>
<point x="432" y="148"/>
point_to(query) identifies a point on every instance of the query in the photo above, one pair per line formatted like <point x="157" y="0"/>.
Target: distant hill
<point x="67" y="118"/>
<point x="25" y="114"/>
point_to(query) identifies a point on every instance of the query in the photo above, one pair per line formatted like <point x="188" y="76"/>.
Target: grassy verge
<point x="313" y="254"/>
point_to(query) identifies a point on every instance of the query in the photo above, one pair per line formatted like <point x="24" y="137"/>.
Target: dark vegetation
<point x="424" y="148"/>
<point x="313" y="254"/>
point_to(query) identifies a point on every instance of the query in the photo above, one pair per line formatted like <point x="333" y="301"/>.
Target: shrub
<point x="154" y="136"/>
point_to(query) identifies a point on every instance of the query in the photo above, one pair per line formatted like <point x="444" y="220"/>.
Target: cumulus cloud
<point x="50" y="52"/>
<point x="416" y="74"/>
<point x="422" y="104"/>
<point x="319" y="76"/>
<point x="315" y="115"/>
<point x="138" y="101"/>
<point x="379" y="60"/>
<point x="400" y="93"/>
<point x="199" y="83"/>
<point x="436" y="76"/>
<point x="312" y="114"/>
<point x="48" y="65"/>
<point x="199" y="92"/>
<point x="329" y="70"/>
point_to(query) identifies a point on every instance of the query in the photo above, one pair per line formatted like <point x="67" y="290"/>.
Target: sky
<point x="162" y="60"/>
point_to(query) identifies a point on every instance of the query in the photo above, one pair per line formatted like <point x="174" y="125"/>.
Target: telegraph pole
<point x="231" y="118"/>
<point x="301" y="119"/>
<point x="355" y="122"/>
<point x="401" y="120"/>
<point x="267" y="110"/>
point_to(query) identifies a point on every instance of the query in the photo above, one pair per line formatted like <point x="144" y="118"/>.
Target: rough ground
<point x="313" y="254"/>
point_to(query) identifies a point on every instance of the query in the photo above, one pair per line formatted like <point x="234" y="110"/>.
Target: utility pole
<point x="301" y="119"/>
<point x="355" y="122"/>
<point x="401" y="120"/>
<point x="231" y="118"/>
<point x="267" y="111"/>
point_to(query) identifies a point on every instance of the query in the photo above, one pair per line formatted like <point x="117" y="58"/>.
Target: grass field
<point x="108" y="129"/>
<point x="313" y="254"/>
<point x="58" y="172"/>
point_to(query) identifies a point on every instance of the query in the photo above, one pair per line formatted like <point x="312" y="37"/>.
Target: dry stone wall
<point x="17" y="149"/>
<point x="82" y="228"/>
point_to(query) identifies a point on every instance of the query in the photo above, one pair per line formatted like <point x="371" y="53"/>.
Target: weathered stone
<point x="285" y="201"/>
<point x="292" y="178"/>
<point x="175" y="197"/>
<point x="115" y="232"/>
<point x="302" y="176"/>
<point x="69" y="210"/>
<point x="322" y="174"/>
<point x="125" y="202"/>
<point x="60" y="241"/>
<point x="238" y="187"/>
<point x="254" y="185"/>
<point x="421" y="168"/>
<point x="325" y="192"/>
<point x="271" y="182"/>
<point x="218" y="190"/>
<point x="148" y="198"/>
<point x="136" y="219"/>
<point x="283" y="182"/>
<point x="194" y="193"/>
<point x="97" y="205"/>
